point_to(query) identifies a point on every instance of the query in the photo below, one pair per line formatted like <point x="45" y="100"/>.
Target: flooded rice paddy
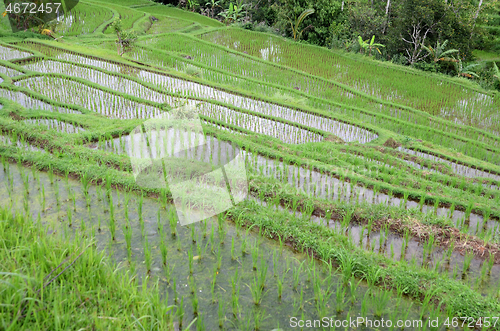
<point x="211" y="270"/>
<point x="185" y="88"/>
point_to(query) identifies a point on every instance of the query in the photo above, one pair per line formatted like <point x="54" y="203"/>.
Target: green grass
<point x="127" y="15"/>
<point x="482" y="55"/>
<point x="93" y="16"/>
<point x="127" y="3"/>
<point x="182" y="14"/>
<point x="52" y="283"/>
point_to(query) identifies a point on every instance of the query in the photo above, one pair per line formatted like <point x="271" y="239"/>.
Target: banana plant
<point x="364" y="44"/>
<point x="298" y="20"/>
<point x="465" y="71"/>
<point x="212" y="4"/>
<point x="497" y="72"/>
<point x="439" y="54"/>
<point x="192" y="4"/>
<point x="233" y="13"/>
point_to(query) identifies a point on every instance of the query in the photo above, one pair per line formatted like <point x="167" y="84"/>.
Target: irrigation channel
<point x="328" y="187"/>
<point x="242" y="268"/>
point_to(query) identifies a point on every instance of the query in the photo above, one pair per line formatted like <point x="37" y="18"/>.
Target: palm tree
<point x="295" y="27"/>
<point x="465" y="71"/>
<point x="439" y="54"/>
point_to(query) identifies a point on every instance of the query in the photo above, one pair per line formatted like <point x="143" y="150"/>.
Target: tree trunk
<point x="386" y="16"/>
<point x="475" y="18"/>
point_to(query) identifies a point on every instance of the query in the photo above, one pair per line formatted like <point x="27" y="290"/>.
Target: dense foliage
<point x="405" y="28"/>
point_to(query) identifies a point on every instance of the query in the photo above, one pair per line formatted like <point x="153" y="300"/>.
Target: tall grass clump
<point x="36" y="299"/>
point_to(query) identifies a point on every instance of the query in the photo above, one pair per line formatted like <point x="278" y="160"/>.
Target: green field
<point x="371" y="190"/>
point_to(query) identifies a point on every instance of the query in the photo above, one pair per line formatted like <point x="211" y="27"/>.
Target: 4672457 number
<point x="32" y="8"/>
<point x="471" y="322"/>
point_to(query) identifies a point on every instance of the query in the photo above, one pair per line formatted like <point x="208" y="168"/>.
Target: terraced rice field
<point x="361" y="195"/>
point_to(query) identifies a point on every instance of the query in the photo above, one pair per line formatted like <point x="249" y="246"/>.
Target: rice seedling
<point x="70" y="219"/>
<point x="219" y="259"/>
<point x="190" y="260"/>
<point x="364" y="305"/>
<point x="233" y="256"/>
<point x="204" y="228"/>
<point x="235" y="296"/>
<point x="262" y="273"/>
<point x="193" y="234"/>
<point x="426" y="302"/>
<point x="380" y="302"/>
<point x="428" y="246"/>
<point x="491" y="261"/>
<point x="173" y="224"/>
<point x="256" y="290"/>
<point x="255" y="255"/>
<point x="467" y="261"/>
<point x="51" y="175"/>
<point x="83" y="228"/>
<point x="221" y="313"/>
<point x="127" y="233"/>
<point x="339" y="298"/>
<point x="56" y="193"/>
<point x="26" y="184"/>
<point x="180" y="311"/>
<point x="139" y="210"/>
<point x="200" y="324"/>
<point x="192" y="285"/>
<point x="112" y="228"/>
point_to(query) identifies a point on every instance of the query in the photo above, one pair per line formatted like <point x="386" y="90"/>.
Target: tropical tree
<point x="126" y="39"/>
<point x="295" y="24"/>
<point x="439" y="54"/>
<point x="369" y="45"/>
<point x="465" y="71"/>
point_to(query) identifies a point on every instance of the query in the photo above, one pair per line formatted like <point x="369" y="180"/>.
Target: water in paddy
<point x="8" y="53"/>
<point x="20" y="143"/>
<point x="115" y="106"/>
<point x="53" y="124"/>
<point x="186" y="88"/>
<point x="9" y="71"/>
<point x="194" y="255"/>
<point x="29" y="102"/>
<point x="389" y="244"/>
<point x="470" y="269"/>
<point x="329" y="187"/>
<point x="326" y="186"/>
<point x="460" y="169"/>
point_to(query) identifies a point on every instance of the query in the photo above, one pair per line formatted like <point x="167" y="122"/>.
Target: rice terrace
<point x="249" y="165"/>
